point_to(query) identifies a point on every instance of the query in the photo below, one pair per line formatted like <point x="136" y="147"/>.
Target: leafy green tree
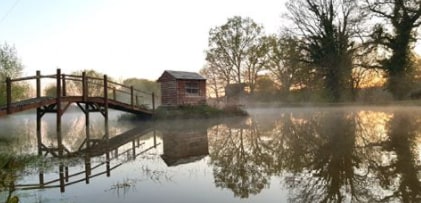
<point x="235" y="50"/>
<point x="285" y="62"/>
<point x="50" y="90"/>
<point x="256" y="61"/>
<point x="146" y="87"/>
<point x="397" y="36"/>
<point x="329" y="29"/>
<point x="266" y="89"/>
<point x="11" y="66"/>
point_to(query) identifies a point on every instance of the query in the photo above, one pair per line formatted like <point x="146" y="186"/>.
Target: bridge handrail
<point x="86" y="80"/>
<point x="31" y="78"/>
<point x="75" y="78"/>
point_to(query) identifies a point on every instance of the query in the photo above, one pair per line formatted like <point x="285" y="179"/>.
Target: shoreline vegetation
<point x="333" y="104"/>
<point x="209" y="112"/>
<point x="191" y="112"/>
<point x="198" y="112"/>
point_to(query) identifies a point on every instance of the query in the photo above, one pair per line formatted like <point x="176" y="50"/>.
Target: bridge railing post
<point x="131" y="97"/>
<point x="59" y="113"/>
<point x="106" y="99"/>
<point x="63" y="84"/>
<point x="106" y="88"/>
<point x="114" y="95"/>
<point x="38" y="90"/>
<point x="153" y="101"/>
<point x="38" y="83"/>
<point x="8" y="94"/>
<point x="84" y="88"/>
<point x="58" y="87"/>
<point x="137" y="100"/>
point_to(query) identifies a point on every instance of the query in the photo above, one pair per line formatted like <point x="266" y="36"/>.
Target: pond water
<point x="356" y="154"/>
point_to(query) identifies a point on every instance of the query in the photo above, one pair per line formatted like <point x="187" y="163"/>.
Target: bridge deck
<point x="45" y="101"/>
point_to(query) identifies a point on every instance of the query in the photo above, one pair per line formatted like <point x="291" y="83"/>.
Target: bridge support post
<point x="107" y="134"/>
<point x="105" y="113"/>
<point x="87" y="168"/>
<point x="154" y="138"/>
<point x="134" y="149"/>
<point x="61" y="177"/>
<point x="38" y="89"/>
<point x="59" y="113"/>
<point x="39" y="137"/>
<point x="87" y="131"/>
<point x="85" y="94"/>
<point x="41" y="178"/>
<point x="86" y="111"/>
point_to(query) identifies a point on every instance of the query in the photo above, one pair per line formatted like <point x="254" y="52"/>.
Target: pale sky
<point x="122" y="38"/>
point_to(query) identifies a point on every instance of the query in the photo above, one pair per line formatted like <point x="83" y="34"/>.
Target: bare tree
<point x="213" y="80"/>
<point x="284" y="60"/>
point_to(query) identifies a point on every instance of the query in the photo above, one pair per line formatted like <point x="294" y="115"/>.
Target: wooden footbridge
<point x="90" y="94"/>
<point x="98" y="94"/>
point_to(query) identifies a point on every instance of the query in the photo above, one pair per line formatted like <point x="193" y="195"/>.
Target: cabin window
<point x="192" y="88"/>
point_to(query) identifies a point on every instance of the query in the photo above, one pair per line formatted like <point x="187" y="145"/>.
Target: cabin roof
<point x="182" y="75"/>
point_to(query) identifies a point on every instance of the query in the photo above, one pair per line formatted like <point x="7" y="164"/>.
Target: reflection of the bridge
<point x="107" y="149"/>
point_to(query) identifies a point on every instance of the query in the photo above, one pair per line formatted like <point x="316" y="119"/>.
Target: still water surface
<point x="358" y="154"/>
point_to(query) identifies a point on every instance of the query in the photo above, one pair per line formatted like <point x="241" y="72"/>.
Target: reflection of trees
<point x="240" y="163"/>
<point x="7" y="176"/>
<point x="10" y="169"/>
<point x="318" y="153"/>
<point x="399" y="173"/>
<point x="10" y="142"/>
<point x="289" y="143"/>
<point x="343" y="156"/>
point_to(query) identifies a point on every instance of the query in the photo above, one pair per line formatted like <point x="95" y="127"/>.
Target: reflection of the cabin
<point x="100" y="157"/>
<point x="184" y="146"/>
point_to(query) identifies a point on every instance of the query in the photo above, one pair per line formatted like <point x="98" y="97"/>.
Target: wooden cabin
<point x="182" y="88"/>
